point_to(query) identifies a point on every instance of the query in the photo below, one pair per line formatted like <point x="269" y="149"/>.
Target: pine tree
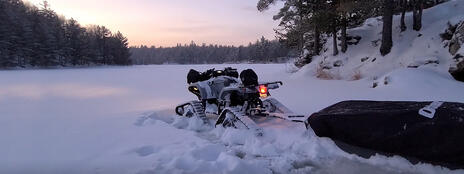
<point x="74" y="36"/>
<point x="31" y="36"/>
<point x="5" y="31"/>
<point x="299" y="23"/>
<point x="261" y="51"/>
<point x="121" y="52"/>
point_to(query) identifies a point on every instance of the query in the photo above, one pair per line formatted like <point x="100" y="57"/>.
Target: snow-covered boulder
<point x="458" y="71"/>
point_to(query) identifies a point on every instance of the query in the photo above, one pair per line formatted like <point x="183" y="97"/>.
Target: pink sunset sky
<point x="168" y="22"/>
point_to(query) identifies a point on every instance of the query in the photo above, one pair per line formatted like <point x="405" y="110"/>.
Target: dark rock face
<point x="458" y="74"/>
<point x="457" y="40"/>
<point x="455" y="45"/>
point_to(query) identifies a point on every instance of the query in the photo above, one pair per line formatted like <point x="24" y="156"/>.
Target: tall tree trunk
<point x="317" y="40"/>
<point x="335" y="44"/>
<point x="18" y="61"/>
<point x="300" y="28"/>
<point x="343" y="35"/>
<point x="301" y="41"/>
<point x="417" y="14"/>
<point x="387" y="41"/>
<point x="414" y="13"/>
<point x="403" y="14"/>
<point x="421" y="9"/>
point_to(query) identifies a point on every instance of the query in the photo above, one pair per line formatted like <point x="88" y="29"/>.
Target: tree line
<point x="261" y="51"/>
<point x="304" y="22"/>
<point x="32" y="36"/>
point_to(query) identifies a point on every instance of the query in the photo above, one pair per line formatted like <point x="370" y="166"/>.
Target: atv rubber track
<point x="198" y="110"/>
<point x="242" y="118"/>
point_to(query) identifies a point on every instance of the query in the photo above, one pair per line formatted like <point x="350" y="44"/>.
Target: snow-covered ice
<point x="410" y="48"/>
<point x="121" y="120"/>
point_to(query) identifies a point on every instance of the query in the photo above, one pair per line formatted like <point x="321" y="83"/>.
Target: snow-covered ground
<point x="410" y="48"/>
<point x="120" y="120"/>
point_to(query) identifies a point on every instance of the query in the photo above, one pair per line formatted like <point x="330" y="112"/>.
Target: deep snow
<point x="120" y="120"/>
<point x="410" y="48"/>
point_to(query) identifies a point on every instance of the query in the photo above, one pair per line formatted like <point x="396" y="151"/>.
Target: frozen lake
<point x="118" y="120"/>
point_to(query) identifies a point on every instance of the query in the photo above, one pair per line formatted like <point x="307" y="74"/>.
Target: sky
<point x="168" y="22"/>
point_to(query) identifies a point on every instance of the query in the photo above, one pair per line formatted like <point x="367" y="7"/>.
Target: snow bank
<point x="410" y="48"/>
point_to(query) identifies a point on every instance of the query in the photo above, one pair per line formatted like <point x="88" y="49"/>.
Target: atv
<point x="231" y="101"/>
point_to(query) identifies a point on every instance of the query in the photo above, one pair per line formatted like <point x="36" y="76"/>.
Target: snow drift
<point x="411" y="49"/>
<point x="128" y="125"/>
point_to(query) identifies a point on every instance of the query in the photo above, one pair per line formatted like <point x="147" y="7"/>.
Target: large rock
<point x="457" y="40"/>
<point x="458" y="71"/>
<point x="455" y="49"/>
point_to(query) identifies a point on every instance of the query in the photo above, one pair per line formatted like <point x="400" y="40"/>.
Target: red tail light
<point x="262" y="89"/>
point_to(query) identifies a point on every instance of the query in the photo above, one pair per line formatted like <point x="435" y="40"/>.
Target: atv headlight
<point x="194" y="90"/>
<point x="180" y="110"/>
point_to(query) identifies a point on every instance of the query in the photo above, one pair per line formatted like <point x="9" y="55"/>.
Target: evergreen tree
<point x="119" y="49"/>
<point x="261" y="51"/>
<point x="38" y="37"/>
<point x="302" y="22"/>
<point x="305" y="21"/>
<point x="74" y="34"/>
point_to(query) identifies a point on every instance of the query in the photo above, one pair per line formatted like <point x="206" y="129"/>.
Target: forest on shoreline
<point x="36" y="37"/>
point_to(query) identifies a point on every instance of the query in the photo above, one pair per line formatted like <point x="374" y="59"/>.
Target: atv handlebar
<point x="272" y="85"/>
